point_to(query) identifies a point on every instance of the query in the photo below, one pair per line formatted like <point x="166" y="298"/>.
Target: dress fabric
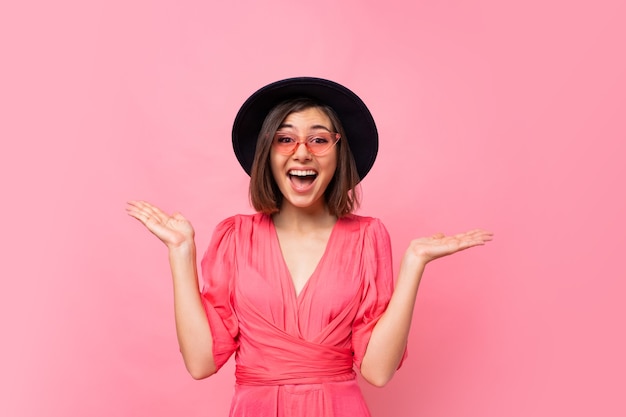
<point x="295" y="354"/>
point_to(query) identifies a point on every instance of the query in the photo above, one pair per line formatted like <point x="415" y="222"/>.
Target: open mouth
<point x="302" y="178"/>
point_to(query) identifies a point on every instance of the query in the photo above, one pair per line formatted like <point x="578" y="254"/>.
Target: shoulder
<point x="242" y="225"/>
<point x="373" y="233"/>
<point x="366" y="223"/>
<point x="233" y="230"/>
<point x="239" y="221"/>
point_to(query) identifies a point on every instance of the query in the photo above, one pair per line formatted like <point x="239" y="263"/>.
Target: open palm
<point x="440" y="245"/>
<point x="172" y="230"/>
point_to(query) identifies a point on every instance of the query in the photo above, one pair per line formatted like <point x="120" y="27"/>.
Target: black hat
<point x="356" y="119"/>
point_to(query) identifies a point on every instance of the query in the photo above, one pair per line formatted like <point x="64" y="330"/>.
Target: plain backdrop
<point x="505" y="115"/>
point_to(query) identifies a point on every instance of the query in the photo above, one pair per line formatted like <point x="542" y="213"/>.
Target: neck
<point x="303" y="219"/>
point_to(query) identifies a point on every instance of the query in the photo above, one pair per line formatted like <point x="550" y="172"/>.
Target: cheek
<point x="333" y="167"/>
<point x="276" y="164"/>
<point x="333" y="163"/>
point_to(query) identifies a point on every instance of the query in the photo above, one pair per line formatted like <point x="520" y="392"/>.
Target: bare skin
<point x="303" y="247"/>
<point x="192" y="327"/>
<point x="303" y="226"/>
<point x="390" y="335"/>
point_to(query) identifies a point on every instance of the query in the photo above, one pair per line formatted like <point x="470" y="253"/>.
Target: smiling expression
<point x="302" y="177"/>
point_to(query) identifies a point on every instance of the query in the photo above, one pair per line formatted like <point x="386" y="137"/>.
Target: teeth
<point x="302" y="173"/>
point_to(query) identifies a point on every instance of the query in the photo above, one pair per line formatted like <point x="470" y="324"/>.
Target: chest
<point x="302" y="255"/>
<point x="300" y="286"/>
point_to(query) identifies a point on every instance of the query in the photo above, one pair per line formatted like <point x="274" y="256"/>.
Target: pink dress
<point x="295" y="354"/>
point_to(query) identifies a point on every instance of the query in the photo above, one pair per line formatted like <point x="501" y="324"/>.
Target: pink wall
<point x="495" y="114"/>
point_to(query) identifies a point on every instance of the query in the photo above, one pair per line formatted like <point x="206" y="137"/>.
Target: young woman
<point x="302" y="290"/>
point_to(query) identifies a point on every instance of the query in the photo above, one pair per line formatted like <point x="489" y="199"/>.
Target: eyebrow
<point x="287" y="125"/>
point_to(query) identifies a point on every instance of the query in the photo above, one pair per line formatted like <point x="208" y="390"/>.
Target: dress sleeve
<point x="218" y="270"/>
<point x="377" y="287"/>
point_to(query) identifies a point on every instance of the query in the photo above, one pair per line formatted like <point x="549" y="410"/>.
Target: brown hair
<point x="341" y="194"/>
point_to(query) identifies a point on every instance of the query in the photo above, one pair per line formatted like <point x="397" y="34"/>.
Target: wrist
<point x="413" y="261"/>
<point x="184" y="248"/>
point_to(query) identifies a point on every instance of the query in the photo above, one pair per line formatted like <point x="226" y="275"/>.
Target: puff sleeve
<point x="378" y="286"/>
<point x="218" y="271"/>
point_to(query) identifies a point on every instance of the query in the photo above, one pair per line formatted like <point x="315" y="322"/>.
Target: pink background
<point x="507" y="115"/>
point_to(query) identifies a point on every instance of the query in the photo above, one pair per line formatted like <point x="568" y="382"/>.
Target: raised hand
<point x="172" y="230"/>
<point x="426" y="249"/>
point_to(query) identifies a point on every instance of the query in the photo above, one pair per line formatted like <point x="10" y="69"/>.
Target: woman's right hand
<point x="173" y="230"/>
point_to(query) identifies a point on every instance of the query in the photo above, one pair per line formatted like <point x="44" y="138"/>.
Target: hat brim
<point x="354" y="115"/>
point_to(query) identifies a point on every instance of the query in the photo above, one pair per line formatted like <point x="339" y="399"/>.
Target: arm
<point x="389" y="337"/>
<point x="192" y="327"/>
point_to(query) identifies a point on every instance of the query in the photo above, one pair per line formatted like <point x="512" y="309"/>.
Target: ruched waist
<point x="327" y="365"/>
<point x="252" y="376"/>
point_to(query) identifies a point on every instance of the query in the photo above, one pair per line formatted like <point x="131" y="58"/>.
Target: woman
<point x="302" y="290"/>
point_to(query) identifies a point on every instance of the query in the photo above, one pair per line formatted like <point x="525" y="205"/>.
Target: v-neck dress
<point x="295" y="355"/>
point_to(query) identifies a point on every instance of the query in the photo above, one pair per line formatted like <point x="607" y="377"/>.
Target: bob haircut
<point x="341" y="195"/>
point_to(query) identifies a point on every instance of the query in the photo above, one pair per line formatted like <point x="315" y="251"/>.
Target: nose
<point x="301" y="152"/>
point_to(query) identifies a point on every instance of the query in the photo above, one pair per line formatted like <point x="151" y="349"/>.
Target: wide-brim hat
<point x="356" y="119"/>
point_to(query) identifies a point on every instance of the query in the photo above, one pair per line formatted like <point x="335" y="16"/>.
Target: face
<point x="303" y="177"/>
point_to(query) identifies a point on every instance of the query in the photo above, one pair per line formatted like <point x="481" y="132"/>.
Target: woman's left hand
<point x="427" y="249"/>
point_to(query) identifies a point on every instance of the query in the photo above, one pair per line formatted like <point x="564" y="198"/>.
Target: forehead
<point x="309" y="118"/>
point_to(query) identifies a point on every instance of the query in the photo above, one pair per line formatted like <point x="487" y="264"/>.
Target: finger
<point x="487" y="237"/>
<point x="132" y="206"/>
<point x="484" y="232"/>
<point x="483" y="235"/>
<point x="155" y="212"/>
<point x="137" y="205"/>
<point x="178" y="216"/>
<point x="466" y="244"/>
<point x="438" y="236"/>
<point x="136" y="209"/>
<point x="144" y="205"/>
<point x="138" y="214"/>
<point x="476" y="234"/>
<point x="145" y="213"/>
<point x="479" y="241"/>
